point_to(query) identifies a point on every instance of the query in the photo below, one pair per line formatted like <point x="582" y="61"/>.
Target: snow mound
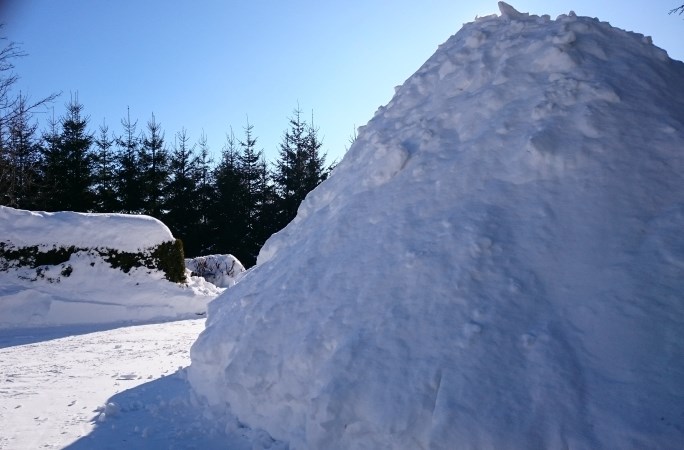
<point x="125" y="232"/>
<point x="222" y="270"/>
<point x="498" y="261"/>
<point x="84" y="288"/>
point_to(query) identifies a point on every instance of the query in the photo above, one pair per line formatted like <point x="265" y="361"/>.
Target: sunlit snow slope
<point x="498" y="261"/>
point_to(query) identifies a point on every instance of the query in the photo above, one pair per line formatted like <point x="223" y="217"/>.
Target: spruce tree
<point x="227" y="219"/>
<point x="300" y="167"/>
<point x="154" y="165"/>
<point x="267" y="222"/>
<point x="52" y="165"/>
<point x="128" y="179"/>
<point x="68" y="163"/>
<point x="252" y="175"/>
<point x="290" y="169"/>
<point x="204" y="195"/>
<point x="20" y="156"/>
<point x="76" y="143"/>
<point x="182" y="215"/>
<point x="105" y="171"/>
<point x="316" y="170"/>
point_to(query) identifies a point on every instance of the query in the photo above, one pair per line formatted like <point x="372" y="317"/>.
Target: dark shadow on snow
<point x="158" y="415"/>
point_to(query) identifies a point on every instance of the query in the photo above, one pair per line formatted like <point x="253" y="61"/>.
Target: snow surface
<point x="91" y="292"/>
<point x="97" y="294"/>
<point x="498" y="261"/>
<point x="106" y="388"/>
<point x="124" y="232"/>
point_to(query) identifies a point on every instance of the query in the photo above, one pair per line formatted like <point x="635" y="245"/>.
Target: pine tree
<point x="76" y="144"/>
<point x="154" y="166"/>
<point x="252" y="173"/>
<point x="299" y="168"/>
<point x="105" y="171"/>
<point x="181" y="194"/>
<point x="316" y="171"/>
<point x="204" y="196"/>
<point x="128" y="180"/>
<point x="68" y="163"/>
<point x="267" y="222"/>
<point x="52" y="165"/>
<point x="20" y="157"/>
<point x="290" y="169"/>
<point x="227" y="220"/>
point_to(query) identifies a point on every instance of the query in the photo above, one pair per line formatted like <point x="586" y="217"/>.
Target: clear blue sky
<point x="207" y="65"/>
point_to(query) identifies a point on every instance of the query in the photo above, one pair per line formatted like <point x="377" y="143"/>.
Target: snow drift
<point x="222" y="270"/>
<point x="85" y="286"/>
<point x="498" y="261"/>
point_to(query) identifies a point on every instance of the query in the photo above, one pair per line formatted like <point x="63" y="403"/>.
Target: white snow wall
<point x="498" y="261"/>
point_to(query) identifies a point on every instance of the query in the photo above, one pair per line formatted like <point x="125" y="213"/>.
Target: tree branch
<point x="678" y="10"/>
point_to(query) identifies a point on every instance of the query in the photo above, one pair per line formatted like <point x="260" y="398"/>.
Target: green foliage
<point x="299" y="168"/>
<point x="167" y="257"/>
<point x="33" y="257"/>
<point x="153" y="165"/>
<point x="68" y="164"/>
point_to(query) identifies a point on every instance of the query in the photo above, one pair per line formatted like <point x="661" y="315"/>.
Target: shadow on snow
<point x="158" y="415"/>
<point x="11" y="337"/>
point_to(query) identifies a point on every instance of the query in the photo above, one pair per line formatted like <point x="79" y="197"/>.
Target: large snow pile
<point x="86" y="288"/>
<point x="498" y="261"/>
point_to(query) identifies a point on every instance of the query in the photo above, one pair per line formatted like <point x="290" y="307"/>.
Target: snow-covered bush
<point x="221" y="270"/>
<point x="34" y="239"/>
<point x="167" y="257"/>
<point x="73" y="268"/>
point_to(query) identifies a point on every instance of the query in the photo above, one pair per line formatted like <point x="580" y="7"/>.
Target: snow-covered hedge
<point x="69" y="268"/>
<point x="167" y="257"/>
<point x="33" y="239"/>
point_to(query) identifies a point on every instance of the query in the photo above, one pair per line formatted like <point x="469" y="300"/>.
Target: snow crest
<point x="496" y="263"/>
<point x="123" y="232"/>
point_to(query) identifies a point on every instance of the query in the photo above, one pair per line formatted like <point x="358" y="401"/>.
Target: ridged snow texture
<point x="498" y="261"/>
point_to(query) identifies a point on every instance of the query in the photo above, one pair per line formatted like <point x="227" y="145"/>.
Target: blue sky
<point x="208" y="65"/>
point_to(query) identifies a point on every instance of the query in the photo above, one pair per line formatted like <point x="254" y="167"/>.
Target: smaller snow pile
<point x="67" y="268"/>
<point x="222" y="270"/>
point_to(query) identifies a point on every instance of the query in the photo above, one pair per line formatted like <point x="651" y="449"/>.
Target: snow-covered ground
<point x="119" y="387"/>
<point x="74" y="370"/>
<point x="497" y="262"/>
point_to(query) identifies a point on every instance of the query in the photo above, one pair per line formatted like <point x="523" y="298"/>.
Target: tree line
<point x="227" y="206"/>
